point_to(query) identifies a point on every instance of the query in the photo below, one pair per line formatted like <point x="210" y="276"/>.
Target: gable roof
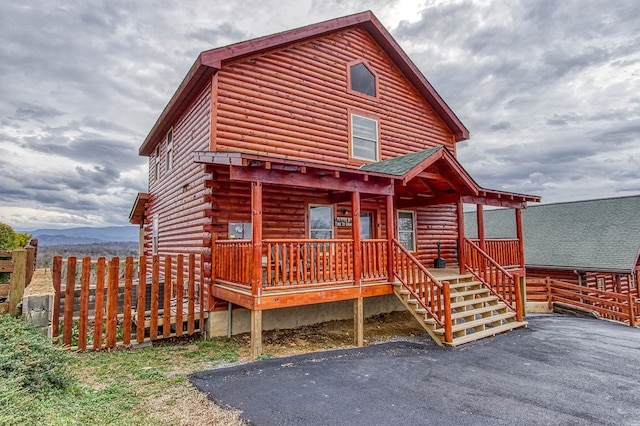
<point x="210" y="61"/>
<point x="399" y="166"/>
<point x="599" y="235"/>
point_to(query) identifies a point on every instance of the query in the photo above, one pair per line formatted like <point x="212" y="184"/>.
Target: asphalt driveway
<point x="561" y="371"/>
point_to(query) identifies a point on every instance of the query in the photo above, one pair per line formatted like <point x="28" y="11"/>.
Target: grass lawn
<point x="123" y="387"/>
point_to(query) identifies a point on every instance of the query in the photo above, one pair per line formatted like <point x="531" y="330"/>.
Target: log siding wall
<point x="589" y="279"/>
<point x="178" y="197"/>
<point x="296" y="102"/>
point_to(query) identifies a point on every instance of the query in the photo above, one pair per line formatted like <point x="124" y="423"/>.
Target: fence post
<point x="549" y="301"/>
<point x="18" y="280"/>
<point x="632" y="314"/>
<point x="448" y="326"/>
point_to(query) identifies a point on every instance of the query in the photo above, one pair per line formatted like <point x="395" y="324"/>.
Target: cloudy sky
<point x="550" y="91"/>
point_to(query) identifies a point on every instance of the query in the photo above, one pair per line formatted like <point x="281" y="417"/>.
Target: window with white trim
<point x="169" y="154"/>
<point x="154" y="242"/>
<point x="600" y="283"/>
<point x="156" y="165"/>
<point x="364" y="138"/>
<point x="407" y="229"/>
<point x="321" y="221"/>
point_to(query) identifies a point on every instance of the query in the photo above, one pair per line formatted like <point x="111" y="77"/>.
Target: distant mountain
<point x="85" y="235"/>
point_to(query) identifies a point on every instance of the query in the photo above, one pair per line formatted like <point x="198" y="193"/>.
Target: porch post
<point x="358" y="304"/>
<point x="256" y="236"/>
<point x="520" y="233"/>
<point x="461" y="254"/>
<point x="390" y="220"/>
<point x="357" y="247"/>
<point x="480" y="222"/>
<point x="256" y="278"/>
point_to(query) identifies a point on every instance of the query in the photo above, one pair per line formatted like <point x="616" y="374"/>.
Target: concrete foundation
<point x="538" y="308"/>
<point x="37" y="302"/>
<point x="217" y="323"/>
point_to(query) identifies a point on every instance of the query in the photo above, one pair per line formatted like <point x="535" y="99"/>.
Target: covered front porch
<point x="260" y="272"/>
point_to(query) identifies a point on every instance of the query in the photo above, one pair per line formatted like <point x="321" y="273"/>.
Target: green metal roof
<point x="400" y="166"/>
<point x="594" y="234"/>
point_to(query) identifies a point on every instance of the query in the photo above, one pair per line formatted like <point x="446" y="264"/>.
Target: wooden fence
<point x="101" y="305"/>
<point x="16" y="271"/>
<point x="622" y="307"/>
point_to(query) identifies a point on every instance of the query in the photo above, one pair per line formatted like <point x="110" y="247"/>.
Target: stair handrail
<point x="498" y="267"/>
<point x="441" y="321"/>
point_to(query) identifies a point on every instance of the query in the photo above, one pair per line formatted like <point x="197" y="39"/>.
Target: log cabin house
<point x="316" y="166"/>
<point x="592" y="243"/>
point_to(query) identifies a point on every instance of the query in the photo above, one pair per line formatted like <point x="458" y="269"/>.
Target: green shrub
<point x="29" y="360"/>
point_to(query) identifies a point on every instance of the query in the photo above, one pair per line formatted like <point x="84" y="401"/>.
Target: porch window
<point x="366" y="226"/>
<point x="407" y="230"/>
<point x="320" y="221"/>
<point x="364" y="138"/>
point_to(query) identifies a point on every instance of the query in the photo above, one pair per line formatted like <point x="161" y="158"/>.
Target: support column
<point x="256" y="333"/>
<point x="256" y="237"/>
<point x="256" y="276"/>
<point x="357" y="246"/>
<point x="480" y="223"/>
<point x="358" y="322"/>
<point x="461" y="254"/>
<point x="520" y="234"/>
<point x="390" y="220"/>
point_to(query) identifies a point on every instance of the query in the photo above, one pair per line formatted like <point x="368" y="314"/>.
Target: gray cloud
<point x="548" y="89"/>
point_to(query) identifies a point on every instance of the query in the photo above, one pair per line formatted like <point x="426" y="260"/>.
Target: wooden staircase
<point x="476" y="313"/>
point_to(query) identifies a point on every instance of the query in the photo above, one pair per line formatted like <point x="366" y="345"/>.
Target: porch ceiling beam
<point x="277" y="177"/>
<point x="503" y="202"/>
<point x="343" y="197"/>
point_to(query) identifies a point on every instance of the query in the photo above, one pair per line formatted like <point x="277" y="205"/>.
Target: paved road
<point x="561" y="371"/>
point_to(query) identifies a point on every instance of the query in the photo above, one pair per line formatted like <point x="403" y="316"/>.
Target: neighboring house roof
<point x="598" y="235"/>
<point x="210" y="61"/>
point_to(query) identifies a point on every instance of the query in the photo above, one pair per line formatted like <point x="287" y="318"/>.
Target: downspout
<point x="229" y="318"/>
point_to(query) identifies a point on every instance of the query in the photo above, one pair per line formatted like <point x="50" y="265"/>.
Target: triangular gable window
<point x="362" y="79"/>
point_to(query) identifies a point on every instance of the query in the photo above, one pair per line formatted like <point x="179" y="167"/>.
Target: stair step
<point x="487" y="333"/>
<point x="478" y="311"/>
<point x="476" y="323"/>
<point x="453" y="277"/>
<point x="472" y="292"/>
<point x="476" y="301"/>
<point x="464" y="284"/>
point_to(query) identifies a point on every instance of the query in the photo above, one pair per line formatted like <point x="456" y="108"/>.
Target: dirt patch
<point x="334" y="335"/>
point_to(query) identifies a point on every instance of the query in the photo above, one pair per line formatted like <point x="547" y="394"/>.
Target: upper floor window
<point x="362" y="79"/>
<point x="156" y="165"/>
<point x="169" y="150"/>
<point x="364" y="138"/>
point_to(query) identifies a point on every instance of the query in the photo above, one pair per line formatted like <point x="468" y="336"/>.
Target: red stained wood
<point x="56" y="272"/>
<point x="128" y="305"/>
<point x="140" y="310"/>
<point x="84" y="303"/>
<point x="166" y="309"/>
<point x="179" y="293"/>
<point x="99" y="307"/>
<point x="520" y="234"/>
<point x="357" y="247"/>
<point x="112" y="302"/>
<point x="256" y="237"/>
<point x="155" y="287"/>
<point x="69" y="302"/>
<point x="192" y="294"/>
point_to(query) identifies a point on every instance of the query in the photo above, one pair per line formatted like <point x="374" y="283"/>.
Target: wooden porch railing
<point x="374" y="260"/>
<point x="432" y="295"/>
<point x="622" y="307"/>
<point x="232" y="261"/>
<point x="505" y="251"/>
<point x="290" y="263"/>
<point x="497" y="279"/>
<point x="302" y="262"/>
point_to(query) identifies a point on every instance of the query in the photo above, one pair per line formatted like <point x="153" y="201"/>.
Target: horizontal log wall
<point x="589" y="279"/>
<point x="294" y="102"/>
<point x="179" y="197"/>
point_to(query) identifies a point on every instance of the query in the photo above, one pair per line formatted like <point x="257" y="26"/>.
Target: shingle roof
<point x="599" y="234"/>
<point x="400" y="166"/>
